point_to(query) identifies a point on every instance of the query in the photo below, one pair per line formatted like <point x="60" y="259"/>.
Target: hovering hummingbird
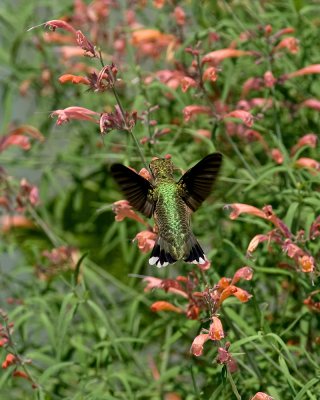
<point x="171" y="204"/>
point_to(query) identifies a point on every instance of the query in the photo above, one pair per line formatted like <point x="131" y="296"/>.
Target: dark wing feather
<point x="137" y="190"/>
<point x="197" y="182"/>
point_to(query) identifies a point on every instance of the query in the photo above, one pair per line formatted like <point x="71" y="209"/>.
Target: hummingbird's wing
<point x="137" y="190"/>
<point x="196" y="184"/>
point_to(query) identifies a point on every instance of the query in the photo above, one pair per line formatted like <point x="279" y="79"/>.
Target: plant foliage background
<point x="77" y="320"/>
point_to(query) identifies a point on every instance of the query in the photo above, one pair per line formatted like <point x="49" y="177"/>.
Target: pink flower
<point x="252" y="84"/>
<point x="277" y="156"/>
<point x="245" y="116"/>
<point x="14" y="140"/>
<point x="307" y="140"/>
<point x="31" y="191"/>
<point x="308" y="163"/>
<point x="180" y="16"/>
<point x="187" y="82"/>
<point x="261" y="396"/>
<point x="123" y="210"/>
<point x="57" y="23"/>
<point x="290" y="43"/>
<point x="310" y="69"/>
<point x="191" y="111"/>
<point x="85" y="44"/>
<point x="198" y="343"/>
<point x="269" y="79"/>
<point x="238" y="208"/>
<point x="210" y="74"/>
<point x="224" y="357"/>
<point x="242" y="273"/>
<point x="216" y="330"/>
<point x="217" y="56"/>
<point x="311" y="103"/>
<point x="146" y="240"/>
<point x="78" y="113"/>
<point x="205" y="266"/>
<point x="306" y="263"/>
<point x="255" y="242"/>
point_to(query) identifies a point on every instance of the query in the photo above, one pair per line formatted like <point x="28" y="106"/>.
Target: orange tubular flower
<point x="210" y="74"/>
<point x="187" y="82"/>
<point x="8" y="222"/>
<point x="198" y="343"/>
<point x="123" y="210"/>
<point x="308" y="163"/>
<point x="239" y="208"/>
<point x="242" y="273"/>
<point x="310" y="69"/>
<point x="217" y="56"/>
<point x="74" y="79"/>
<point x="193" y="110"/>
<point x="311" y="103"/>
<point x="216" y="330"/>
<point x="289" y="43"/>
<point x="307" y="140"/>
<point x="75" y="112"/>
<point x="245" y="116"/>
<point x="146" y="240"/>
<point x="10" y="360"/>
<point x="165" y="306"/>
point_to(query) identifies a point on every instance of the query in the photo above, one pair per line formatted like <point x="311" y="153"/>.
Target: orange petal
<point x="245" y="116"/>
<point x="8" y="222"/>
<point x="219" y="55"/>
<point x="238" y="208"/>
<point x="242" y="273"/>
<point x="216" y="330"/>
<point x="165" y="306"/>
<point x="197" y="344"/>
<point x="74" y="79"/>
<point x="310" y="69"/>
<point x="308" y="163"/>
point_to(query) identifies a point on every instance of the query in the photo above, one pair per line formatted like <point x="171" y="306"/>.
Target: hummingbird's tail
<point x="161" y="255"/>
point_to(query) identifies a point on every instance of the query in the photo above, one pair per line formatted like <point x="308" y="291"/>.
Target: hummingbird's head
<point x="162" y="168"/>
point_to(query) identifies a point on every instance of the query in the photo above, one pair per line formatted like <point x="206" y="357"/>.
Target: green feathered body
<point x="172" y="217"/>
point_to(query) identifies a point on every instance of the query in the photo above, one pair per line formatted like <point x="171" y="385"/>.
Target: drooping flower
<point x="216" y="330"/>
<point x="210" y="74"/>
<point x="289" y="43"/>
<point x="198" y="343"/>
<point x="78" y="113"/>
<point x="224" y="357"/>
<point x="123" y="210"/>
<point x="146" y="240"/>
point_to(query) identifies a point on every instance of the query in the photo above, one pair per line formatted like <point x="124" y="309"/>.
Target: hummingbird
<point x="171" y="204"/>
